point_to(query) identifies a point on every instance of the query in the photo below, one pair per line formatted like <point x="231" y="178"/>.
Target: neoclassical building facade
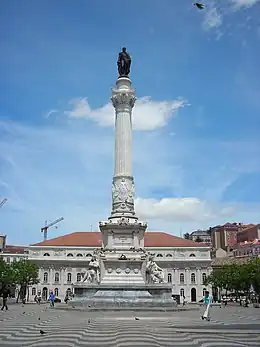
<point x="63" y="261"/>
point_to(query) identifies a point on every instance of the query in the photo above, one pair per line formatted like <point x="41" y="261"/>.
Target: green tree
<point x="26" y="274"/>
<point x="186" y="236"/>
<point x="253" y="269"/>
<point x="236" y="277"/>
<point x="7" y="275"/>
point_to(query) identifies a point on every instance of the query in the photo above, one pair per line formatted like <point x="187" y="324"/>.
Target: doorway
<point x="44" y="294"/>
<point x="193" y="295"/>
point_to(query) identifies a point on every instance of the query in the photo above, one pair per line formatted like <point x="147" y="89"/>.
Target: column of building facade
<point x="198" y="282"/>
<point x="186" y="276"/>
<point x="51" y="272"/>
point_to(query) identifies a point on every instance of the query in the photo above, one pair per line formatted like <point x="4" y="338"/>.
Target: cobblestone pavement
<point x="230" y="326"/>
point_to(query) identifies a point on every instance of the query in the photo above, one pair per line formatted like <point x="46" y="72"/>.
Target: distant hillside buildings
<point x="201" y="236"/>
<point x="229" y="241"/>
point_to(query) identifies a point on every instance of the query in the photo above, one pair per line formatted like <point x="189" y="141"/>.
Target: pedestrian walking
<point x="51" y="298"/>
<point x="207" y="300"/>
<point x="5" y="293"/>
<point x="184" y="300"/>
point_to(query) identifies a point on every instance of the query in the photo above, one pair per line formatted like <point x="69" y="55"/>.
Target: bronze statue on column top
<point x="124" y="63"/>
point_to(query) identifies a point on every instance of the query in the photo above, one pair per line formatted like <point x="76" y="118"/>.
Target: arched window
<point x="69" y="277"/>
<point x="89" y="255"/>
<point x="181" y="278"/>
<point x="68" y="291"/>
<point x="193" y="278"/>
<point x="204" y="276"/>
<point x="169" y="278"/>
<point x="70" y="255"/>
<point x="182" y="292"/>
<point x="46" y="254"/>
<point x="79" y="255"/>
<point x="33" y="291"/>
<point x="159" y="255"/>
<point x="192" y="255"/>
<point x="45" y="277"/>
<point x="204" y="291"/>
<point x="56" y="292"/>
<point x="78" y="277"/>
<point x="168" y="255"/>
<point x="56" y="277"/>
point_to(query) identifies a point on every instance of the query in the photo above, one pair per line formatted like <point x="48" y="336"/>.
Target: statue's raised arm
<point x="124" y="63"/>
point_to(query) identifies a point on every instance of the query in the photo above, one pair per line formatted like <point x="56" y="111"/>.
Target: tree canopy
<point x="7" y="275"/>
<point x="22" y="273"/>
<point x="237" y="277"/>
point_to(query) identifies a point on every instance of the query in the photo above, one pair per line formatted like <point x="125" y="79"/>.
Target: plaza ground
<point x="232" y="326"/>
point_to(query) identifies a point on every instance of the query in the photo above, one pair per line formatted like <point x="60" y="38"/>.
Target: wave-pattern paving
<point x="71" y="329"/>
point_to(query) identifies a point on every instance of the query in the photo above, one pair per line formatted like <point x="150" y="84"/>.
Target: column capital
<point x="123" y="95"/>
<point x="123" y="98"/>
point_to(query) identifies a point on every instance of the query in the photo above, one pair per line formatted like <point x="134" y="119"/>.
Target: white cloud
<point x="147" y="114"/>
<point x="212" y="19"/>
<point x="215" y="12"/>
<point x="175" y="209"/>
<point x="49" y="113"/>
<point x="244" y="3"/>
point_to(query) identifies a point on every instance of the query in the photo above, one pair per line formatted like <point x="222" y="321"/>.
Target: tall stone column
<point x="123" y="99"/>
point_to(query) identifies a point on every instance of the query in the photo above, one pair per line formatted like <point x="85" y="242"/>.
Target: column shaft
<point x="123" y="144"/>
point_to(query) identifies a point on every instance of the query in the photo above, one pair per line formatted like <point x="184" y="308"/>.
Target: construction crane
<point x="2" y="202"/>
<point x="44" y="229"/>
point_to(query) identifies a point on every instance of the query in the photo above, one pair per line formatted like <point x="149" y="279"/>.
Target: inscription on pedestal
<point x="122" y="240"/>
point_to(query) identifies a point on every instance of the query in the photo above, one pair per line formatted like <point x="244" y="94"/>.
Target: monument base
<point x="122" y="296"/>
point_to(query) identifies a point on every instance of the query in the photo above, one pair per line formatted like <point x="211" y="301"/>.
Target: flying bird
<point x="199" y="6"/>
<point x="42" y="332"/>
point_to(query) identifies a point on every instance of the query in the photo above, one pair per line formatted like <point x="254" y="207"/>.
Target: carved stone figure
<point x="123" y="221"/>
<point x="123" y="191"/>
<point x="124" y="63"/>
<point x="154" y="271"/>
<point x="93" y="273"/>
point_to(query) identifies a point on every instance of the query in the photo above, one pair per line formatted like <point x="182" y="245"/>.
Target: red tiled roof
<point x="93" y="239"/>
<point x="248" y="234"/>
<point x="13" y="249"/>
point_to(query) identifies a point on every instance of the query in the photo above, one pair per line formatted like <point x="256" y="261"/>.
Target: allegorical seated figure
<point x="92" y="275"/>
<point x="154" y="271"/>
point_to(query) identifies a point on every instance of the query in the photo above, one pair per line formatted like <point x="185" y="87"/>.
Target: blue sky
<point x="196" y="121"/>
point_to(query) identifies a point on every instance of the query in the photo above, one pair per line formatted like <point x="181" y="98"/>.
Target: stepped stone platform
<point x="123" y="296"/>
